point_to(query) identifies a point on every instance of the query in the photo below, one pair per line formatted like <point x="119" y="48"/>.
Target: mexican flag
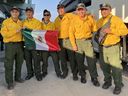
<point x="41" y="39"/>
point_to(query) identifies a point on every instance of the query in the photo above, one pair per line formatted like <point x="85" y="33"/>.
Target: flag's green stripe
<point x="29" y="40"/>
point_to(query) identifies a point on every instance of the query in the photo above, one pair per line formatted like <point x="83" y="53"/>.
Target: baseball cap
<point x="80" y="5"/>
<point x="29" y="9"/>
<point x="60" y="6"/>
<point x="15" y="8"/>
<point x="105" y="6"/>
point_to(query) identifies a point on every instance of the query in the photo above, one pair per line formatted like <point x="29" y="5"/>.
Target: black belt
<point x="111" y="45"/>
<point x="63" y="38"/>
<point x="14" y="42"/>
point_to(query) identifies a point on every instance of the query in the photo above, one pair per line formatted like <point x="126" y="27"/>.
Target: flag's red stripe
<point x="51" y="38"/>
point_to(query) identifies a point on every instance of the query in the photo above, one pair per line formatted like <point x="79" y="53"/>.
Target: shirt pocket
<point x="11" y="27"/>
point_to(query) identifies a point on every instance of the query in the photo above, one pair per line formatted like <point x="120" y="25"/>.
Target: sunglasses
<point x="46" y="14"/>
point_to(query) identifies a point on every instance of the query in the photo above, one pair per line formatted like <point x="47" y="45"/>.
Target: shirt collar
<point x="84" y="19"/>
<point x="107" y="17"/>
<point x="47" y="23"/>
<point x="30" y="19"/>
<point x="13" y="21"/>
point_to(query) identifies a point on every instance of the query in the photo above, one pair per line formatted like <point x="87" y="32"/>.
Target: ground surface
<point x="53" y="86"/>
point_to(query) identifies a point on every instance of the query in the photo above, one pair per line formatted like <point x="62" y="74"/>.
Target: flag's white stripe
<point x="40" y="45"/>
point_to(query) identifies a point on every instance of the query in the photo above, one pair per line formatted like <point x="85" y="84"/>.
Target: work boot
<point x="83" y="80"/>
<point x="65" y="74"/>
<point x="59" y="75"/>
<point x="95" y="82"/>
<point x="75" y="77"/>
<point x="39" y="77"/>
<point x="44" y="74"/>
<point x="117" y="90"/>
<point x="10" y="86"/>
<point x="28" y="77"/>
<point x="106" y="85"/>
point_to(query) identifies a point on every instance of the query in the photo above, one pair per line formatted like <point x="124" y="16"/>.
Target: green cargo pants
<point x="85" y="47"/>
<point x="13" y="52"/>
<point x="32" y="58"/>
<point x="66" y="51"/>
<point x="110" y="62"/>
<point x="54" y="55"/>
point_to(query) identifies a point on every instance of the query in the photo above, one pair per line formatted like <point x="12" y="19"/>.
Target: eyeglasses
<point x="80" y="9"/>
<point x="46" y="14"/>
<point x="103" y="9"/>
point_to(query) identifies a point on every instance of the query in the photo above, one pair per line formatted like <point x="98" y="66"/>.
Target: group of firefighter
<point x="75" y="40"/>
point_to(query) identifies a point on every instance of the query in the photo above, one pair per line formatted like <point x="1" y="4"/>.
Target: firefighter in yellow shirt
<point x="110" y="59"/>
<point x="32" y="57"/>
<point x="11" y="32"/>
<point x="80" y="34"/>
<point x="48" y="25"/>
<point x="62" y="24"/>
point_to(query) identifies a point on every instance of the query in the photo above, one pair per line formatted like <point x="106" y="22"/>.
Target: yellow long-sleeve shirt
<point x="81" y="29"/>
<point x="62" y="25"/>
<point x="117" y="28"/>
<point x="57" y="23"/>
<point x="49" y="26"/>
<point x="10" y="29"/>
<point x="32" y="24"/>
